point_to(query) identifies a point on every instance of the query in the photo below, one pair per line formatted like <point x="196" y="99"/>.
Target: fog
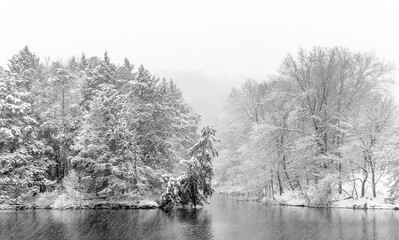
<point x="207" y="47"/>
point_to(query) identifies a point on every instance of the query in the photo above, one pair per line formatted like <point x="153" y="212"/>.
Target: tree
<point x="369" y="130"/>
<point x="248" y="99"/>
<point x="27" y="66"/>
<point x="98" y="72"/>
<point x="119" y="127"/>
<point x="194" y="186"/>
<point x="22" y="163"/>
<point x="325" y="83"/>
<point x="31" y="72"/>
<point x="100" y="157"/>
<point x="292" y="127"/>
<point x="61" y="117"/>
<point x="135" y="129"/>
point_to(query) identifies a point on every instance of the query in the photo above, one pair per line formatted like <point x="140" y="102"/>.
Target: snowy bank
<point x="349" y="198"/>
<point x="145" y="204"/>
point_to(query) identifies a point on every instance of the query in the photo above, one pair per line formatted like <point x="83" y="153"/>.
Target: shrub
<point x="46" y="198"/>
<point x="70" y="192"/>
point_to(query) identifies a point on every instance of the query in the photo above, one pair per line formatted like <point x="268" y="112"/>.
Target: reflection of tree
<point x="197" y="223"/>
<point x="369" y="230"/>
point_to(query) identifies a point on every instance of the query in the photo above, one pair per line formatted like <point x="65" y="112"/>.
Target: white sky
<point x="228" y="38"/>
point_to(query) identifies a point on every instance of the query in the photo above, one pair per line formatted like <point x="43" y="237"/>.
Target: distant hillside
<point x="205" y="94"/>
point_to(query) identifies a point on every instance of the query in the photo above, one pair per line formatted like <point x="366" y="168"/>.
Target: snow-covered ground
<point x="348" y="199"/>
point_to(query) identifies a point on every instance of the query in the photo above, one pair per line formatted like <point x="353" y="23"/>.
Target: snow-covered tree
<point x="369" y="130"/>
<point x="98" y="72"/>
<point x="194" y="186"/>
<point x="120" y="128"/>
<point x="22" y="164"/>
<point x="27" y="66"/>
<point x="291" y="127"/>
<point x="61" y="117"/>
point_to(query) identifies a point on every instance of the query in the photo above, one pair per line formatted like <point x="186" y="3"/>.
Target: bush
<point x="64" y="200"/>
<point x="71" y="195"/>
<point x="46" y="198"/>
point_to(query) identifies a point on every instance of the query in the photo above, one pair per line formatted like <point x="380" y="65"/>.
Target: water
<point x="223" y="219"/>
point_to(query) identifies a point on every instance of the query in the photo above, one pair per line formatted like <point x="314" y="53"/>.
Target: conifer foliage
<point x="22" y="163"/>
<point x="118" y="127"/>
<point x="194" y="186"/>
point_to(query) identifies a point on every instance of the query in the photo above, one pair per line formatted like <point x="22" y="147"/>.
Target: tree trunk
<point x="286" y="173"/>
<point x="373" y="182"/>
<point x="284" y="159"/>
<point x="271" y="184"/>
<point x="62" y="150"/>
<point x="280" y="185"/>
<point x="365" y="176"/>
<point x="340" y="178"/>
<point x="135" y="179"/>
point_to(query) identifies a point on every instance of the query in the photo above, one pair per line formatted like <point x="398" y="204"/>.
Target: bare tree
<point x="369" y="128"/>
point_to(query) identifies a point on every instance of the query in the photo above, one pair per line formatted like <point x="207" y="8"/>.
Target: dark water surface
<point x="223" y="219"/>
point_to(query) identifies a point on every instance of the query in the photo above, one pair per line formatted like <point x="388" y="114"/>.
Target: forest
<point x="325" y="125"/>
<point x="89" y="126"/>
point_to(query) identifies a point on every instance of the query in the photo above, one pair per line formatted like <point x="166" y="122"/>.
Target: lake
<point x="223" y="219"/>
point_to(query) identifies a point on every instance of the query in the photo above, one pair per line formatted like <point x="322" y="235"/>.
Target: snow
<point x="373" y="203"/>
<point x="343" y="200"/>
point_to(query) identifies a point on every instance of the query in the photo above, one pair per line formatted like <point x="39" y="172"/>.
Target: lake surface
<point x="223" y="219"/>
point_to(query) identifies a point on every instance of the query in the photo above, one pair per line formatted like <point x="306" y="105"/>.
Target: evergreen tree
<point x="98" y="72"/>
<point x="100" y="151"/>
<point x="73" y="65"/>
<point x="22" y="163"/>
<point x="195" y="185"/>
<point x="27" y="66"/>
<point x="83" y="62"/>
<point x="61" y="118"/>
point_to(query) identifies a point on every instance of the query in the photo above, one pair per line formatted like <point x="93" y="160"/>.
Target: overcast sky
<point x="234" y="39"/>
<point x="219" y="38"/>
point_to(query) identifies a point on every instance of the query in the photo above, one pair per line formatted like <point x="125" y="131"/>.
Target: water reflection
<point x="223" y="219"/>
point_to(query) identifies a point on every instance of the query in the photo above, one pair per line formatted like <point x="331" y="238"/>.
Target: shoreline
<point x="93" y="206"/>
<point x="365" y="203"/>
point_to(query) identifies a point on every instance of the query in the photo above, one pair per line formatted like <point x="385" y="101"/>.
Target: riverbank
<point x="347" y="203"/>
<point x="98" y="205"/>
<point x="76" y="201"/>
<point x="296" y="198"/>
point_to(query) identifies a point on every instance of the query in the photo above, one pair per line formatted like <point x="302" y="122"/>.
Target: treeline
<point x="324" y="120"/>
<point x="119" y="128"/>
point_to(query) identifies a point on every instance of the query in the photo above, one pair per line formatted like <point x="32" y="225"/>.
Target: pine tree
<point x="22" y="163"/>
<point x="195" y="185"/>
<point x="98" y="72"/>
<point x="101" y="159"/>
<point x="27" y="66"/>
<point x="97" y="143"/>
<point x="73" y="65"/>
<point x="83" y="62"/>
<point x="61" y="118"/>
